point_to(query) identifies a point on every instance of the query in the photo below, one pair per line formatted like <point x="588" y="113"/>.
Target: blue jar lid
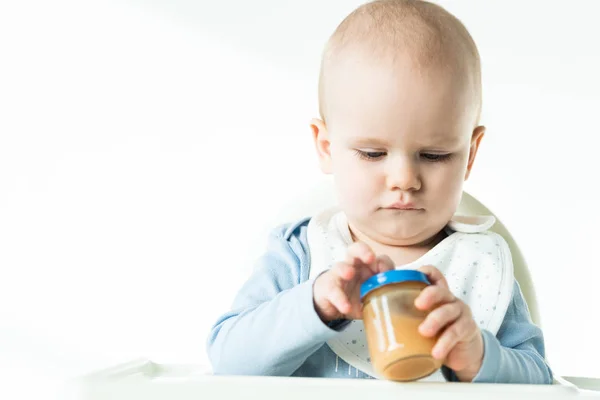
<point x="389" y="277"/>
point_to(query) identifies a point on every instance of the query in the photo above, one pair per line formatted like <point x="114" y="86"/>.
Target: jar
<point x="398" y="351"/>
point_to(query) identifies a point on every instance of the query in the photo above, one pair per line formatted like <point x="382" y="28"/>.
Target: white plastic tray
<point x="146" y="380"/>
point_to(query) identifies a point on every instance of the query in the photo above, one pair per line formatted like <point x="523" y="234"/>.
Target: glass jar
<point x="398" y="351"/>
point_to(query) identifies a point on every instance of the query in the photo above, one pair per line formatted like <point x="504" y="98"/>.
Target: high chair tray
<point x="149" y="381"/>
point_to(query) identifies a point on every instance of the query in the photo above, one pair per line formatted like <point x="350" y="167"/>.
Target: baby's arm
<point x="273" y="327"/>
<point x="516" y="354"/>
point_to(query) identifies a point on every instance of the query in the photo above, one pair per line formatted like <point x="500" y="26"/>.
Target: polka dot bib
<point x="476" y="263"/>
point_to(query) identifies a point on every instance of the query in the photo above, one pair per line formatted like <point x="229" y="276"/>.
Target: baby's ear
<point x="478" y="134"/>
<point x="322" y="144"/>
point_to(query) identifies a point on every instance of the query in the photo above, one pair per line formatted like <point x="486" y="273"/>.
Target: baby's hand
<point x="336" y="292"/>
<point x="460" y="344"/>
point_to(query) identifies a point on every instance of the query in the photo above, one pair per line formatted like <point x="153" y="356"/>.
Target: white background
<point x="143" y="145"/>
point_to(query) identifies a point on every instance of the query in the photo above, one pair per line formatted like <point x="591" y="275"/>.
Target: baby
<point x="400" y="102"/>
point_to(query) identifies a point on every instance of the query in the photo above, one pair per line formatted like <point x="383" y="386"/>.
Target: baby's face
<point x="399" y="148"/>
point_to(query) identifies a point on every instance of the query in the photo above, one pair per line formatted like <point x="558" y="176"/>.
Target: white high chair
<point x="144" y="379"/>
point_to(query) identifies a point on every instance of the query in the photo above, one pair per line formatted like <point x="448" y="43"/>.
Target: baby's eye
<point x="435" y="157"/>
<point x="370" y="155"/>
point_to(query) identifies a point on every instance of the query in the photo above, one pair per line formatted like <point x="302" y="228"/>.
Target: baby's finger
<point x="344" y="271"/>
<point x="359" y="253"/>
<point x="439" y="318"/>
<point x="451" y="336"/>
<point x="384" y="263"/>
<point x="434" y="275"/>
<point x="339" y="300"/>
<point x="433" y="296"/>
<point x="381" y="264"/>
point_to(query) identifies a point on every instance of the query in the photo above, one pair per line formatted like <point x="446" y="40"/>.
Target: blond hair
<point x="426" y="32"/>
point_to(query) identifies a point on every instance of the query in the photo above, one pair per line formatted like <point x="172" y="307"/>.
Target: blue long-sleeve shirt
<point x="273" y="328"/>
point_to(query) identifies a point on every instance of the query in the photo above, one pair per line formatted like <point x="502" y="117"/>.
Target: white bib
<point x="476" y="263"/>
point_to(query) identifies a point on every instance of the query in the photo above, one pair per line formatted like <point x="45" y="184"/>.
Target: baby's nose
<point x="404" y="176"/>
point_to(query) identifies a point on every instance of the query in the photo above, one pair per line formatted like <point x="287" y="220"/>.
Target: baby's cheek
<point x="358" y="185"/>
<point x="446" y="187"/>
<point x="354" y="198"/>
